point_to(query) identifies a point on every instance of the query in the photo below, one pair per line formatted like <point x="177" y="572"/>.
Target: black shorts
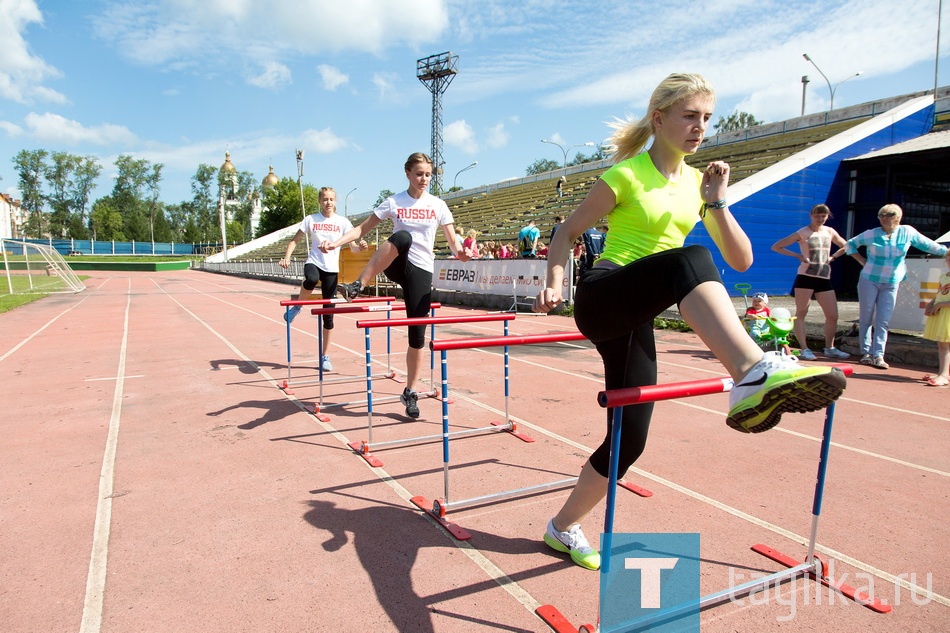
<point x="816" y="284"/>
<point x="416" y="285"/>
<point x="311" y="275"/>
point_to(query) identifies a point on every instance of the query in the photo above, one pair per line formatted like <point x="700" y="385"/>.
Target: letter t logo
<point x="650" y="569"/>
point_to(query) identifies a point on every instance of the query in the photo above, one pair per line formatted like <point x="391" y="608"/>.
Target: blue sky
<point x="179" y="82"/>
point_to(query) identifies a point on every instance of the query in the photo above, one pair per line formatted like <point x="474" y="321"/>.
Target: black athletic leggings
<point x="311" y="275"/>
<point x="615" y="308"/>
<point x="416" y="285"/>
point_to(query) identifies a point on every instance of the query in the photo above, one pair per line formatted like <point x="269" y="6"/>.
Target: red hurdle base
<point x="845" y="590"/>
<point x="455" y="530"/>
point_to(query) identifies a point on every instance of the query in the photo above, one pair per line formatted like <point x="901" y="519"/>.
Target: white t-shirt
<point x="421" y="218"/>
<point x="321" y="229"/>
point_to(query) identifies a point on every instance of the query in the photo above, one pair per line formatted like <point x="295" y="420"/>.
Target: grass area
<point x="134" y="258"/>
<point x="26" y="289"/>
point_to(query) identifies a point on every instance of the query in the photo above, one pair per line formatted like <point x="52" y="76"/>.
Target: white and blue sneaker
<point x="834" y="352"/>
<point x="777" y="385"/>
<point x="291" y="314"/>
<point x="325" y="363"/>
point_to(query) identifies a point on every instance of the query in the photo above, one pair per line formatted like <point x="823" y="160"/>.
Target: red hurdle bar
<point x="440" y="506"/>
<point x="353" y="309"/>
<point x="363" y="448"/>
<point x="813" y="566"/>
<point x="288" y="303"/>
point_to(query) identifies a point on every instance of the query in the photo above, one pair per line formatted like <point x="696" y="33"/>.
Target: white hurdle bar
<point x="363" y="448"/>
<point x="288" y="304"/>
<point x="351" y="309"/>
<point x="440" y="506"/>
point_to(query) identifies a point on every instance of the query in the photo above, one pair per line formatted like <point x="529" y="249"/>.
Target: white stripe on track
<point x="48" y="323"/>
<point x="96" y="578"/>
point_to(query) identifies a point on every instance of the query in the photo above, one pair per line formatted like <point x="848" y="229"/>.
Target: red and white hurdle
<point x="438" y="508"/>
<point x="364" y="448"/>
<point x="355" y="309"/>
<point x="814" y="566"/>
<point x="287" y="384"/>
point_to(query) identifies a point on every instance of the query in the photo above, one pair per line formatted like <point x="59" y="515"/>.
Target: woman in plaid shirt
<point x="882" y="274"/>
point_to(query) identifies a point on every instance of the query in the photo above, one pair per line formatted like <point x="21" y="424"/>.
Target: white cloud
<point x="497" y="136"/>
<point x="332" y="77"/>
<point x="460" y="134"/>
<point x="11" y="129"/>
<point x="386" y="91"/>
<point x="274" y="77"/>
<point x="165" y="31"/>
<point x="53" y="128"/>
<point x="22" y="73"/>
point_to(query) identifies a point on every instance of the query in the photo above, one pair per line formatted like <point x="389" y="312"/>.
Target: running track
<point x="154" y="478"/>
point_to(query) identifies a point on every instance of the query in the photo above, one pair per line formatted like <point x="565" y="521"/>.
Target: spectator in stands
<point x="814" y="278"/>
<point x="490" y="249"/>
<point x="559" y="187"/>
<point x="528" y="240"/>
<point x="652" y="200"/>
<point x="558" y="221"/>
<point x="593" y="246"/>
<point x="542" y="250"/>
<point x="882" y="275"/>
<point x="320" y="267"/>
<point x="470" y="245"/>
<point x="407" y="257"/>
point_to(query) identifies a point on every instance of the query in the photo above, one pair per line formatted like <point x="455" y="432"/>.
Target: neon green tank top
<point x="652" y="214"/>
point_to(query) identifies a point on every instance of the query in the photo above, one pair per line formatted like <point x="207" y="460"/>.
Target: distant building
<point x="12" y="217"/>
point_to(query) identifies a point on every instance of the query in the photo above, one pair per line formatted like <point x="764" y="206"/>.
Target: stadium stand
<point x="500" y="212"/>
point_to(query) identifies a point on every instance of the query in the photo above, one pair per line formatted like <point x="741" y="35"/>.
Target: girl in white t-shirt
<point x="407" y="257"/>
<point x="320" y="267"/>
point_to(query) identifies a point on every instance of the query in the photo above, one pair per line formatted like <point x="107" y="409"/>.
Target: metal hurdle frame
<point x="363" y="448"/>
<point x="440" y="506"/>
<point x="288" y="303"/>
<point x="814" y="565"/>
<point x="350" y="309"/>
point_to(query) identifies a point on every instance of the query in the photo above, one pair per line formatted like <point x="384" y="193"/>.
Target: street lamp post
<point x="566" y="150"/>
<point x="831" y="89"/>
<point x="805" y="81"/>
<point x="303" y="207"/>
<point x="346" y="200"/>
<point x="455" y="181"/>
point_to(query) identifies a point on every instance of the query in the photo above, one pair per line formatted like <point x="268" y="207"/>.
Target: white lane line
<point x="96" y="579"/>
<point x="115" y="378"/>
<point x="48" y="323"/>
<point x="792" y="536"/>
<point x="490" y="569"/>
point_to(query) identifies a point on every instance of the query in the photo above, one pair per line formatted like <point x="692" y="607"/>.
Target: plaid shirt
<point x="886" y="253"/>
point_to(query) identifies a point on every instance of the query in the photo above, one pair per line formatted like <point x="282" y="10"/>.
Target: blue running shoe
<point x="291" y="314"/>
<point x="325" y="363"/>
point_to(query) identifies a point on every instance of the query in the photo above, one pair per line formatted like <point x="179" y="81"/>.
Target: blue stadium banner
<point x="650" y="583"/>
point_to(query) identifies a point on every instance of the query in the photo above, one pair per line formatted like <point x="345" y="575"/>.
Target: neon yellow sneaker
<point x="573" y="542"/>
<point x="777" y="385"/>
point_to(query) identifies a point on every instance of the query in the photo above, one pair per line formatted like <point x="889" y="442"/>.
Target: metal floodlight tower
<point x="437" y="72"/>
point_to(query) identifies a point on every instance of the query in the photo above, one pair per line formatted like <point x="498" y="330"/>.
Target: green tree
<point x="84" y="181"/>
<point x="736" y="121"/>
<point x="204" y="207"/>
<point x="128" y="196"/>
<point x="282" y="205"/>
<point x="153" y="179"/>
<point x="540" y="166"/>
<point x="385" y="193"/>
<point x="31" y="165"/>
<point x="106" y="221"/>
<point x="59" y="178"/>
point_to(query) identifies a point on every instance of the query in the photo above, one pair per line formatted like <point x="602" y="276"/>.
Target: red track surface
<point x="224" y="505"/>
